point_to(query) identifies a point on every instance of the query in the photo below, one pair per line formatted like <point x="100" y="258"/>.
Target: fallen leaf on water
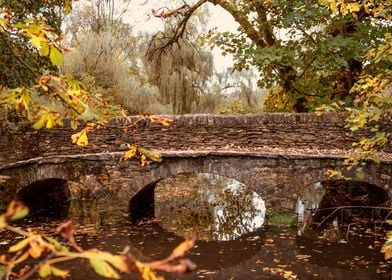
<point x="301" y="257"/>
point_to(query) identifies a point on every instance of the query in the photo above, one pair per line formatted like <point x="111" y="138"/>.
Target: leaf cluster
<point x="48" y="252"/>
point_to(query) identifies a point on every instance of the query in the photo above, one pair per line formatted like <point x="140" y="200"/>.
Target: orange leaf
<point x="183" y="248"/>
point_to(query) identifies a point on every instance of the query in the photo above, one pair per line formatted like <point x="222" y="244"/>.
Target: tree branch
<point x="242" y="20"/>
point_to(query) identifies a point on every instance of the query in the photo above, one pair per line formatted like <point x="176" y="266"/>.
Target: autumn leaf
<point x="103" y="268"/>
<point x="48" y="119"/>
<point x="147" y="274"/>
<point x="161" y="120"/>
<point x="67" y="231"/>
<point x="3" y="222"/>
<point x="151" y="155"/>
<point x="40" y="123"/>
<point x="56" y="244"/>
<point x="183" y="248"/>
<point x="130" y="153"/>
<point x="80" y="138"/>
<point x="46" y="270"/>
<point x="124" y="263"/>
<point x="44" y="50"/>
<point x="16" y="210"/>
<point x="36" y="249"/>
<point x="143" y="160"/>
<point x="56" y="57"/>
<point x="87" y="115"/>
<point x="68" y="7"/>
<point x="19" y="246"/>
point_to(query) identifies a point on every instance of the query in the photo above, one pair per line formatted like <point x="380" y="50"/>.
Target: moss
<point x="282" y="219"/>
<point x="81" y="166"/>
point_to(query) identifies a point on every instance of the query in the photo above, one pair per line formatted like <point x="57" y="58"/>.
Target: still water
<point x="235" y="239"/>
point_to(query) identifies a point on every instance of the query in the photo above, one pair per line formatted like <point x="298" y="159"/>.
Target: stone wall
<point x="188" y="132"/>
<point x="276" y="178"/>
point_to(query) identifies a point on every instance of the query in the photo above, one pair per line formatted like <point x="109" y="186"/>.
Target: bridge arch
<point x="142" y="203"/>
<point x="46" y="195"/>
<point x="277" y="178"/>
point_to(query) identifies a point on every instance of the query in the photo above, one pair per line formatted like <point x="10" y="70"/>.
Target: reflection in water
<point x="105" y="226"/>
<point x="308" y="201"/>
<point x="208" y="206"/>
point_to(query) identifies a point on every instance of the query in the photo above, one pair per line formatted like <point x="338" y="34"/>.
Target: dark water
<point x="228" y="247"/>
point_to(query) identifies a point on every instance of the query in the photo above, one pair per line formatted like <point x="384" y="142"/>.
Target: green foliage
<point x="20" y="64"/>
<point x="279" y="101"/>
<point x="235" y="107"/>
<point x="314" y="51"/>
<point x="52" y="98"/>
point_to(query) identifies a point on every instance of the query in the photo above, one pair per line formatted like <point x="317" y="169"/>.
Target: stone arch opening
<point x="345" y="200"/>
<point x="211" y="206"/>
<point x="141" y="204"/>
<point x="347" y="193"/>
<point x="46" y="197"/>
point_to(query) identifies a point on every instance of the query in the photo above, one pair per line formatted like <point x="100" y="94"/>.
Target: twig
<point x="348" y="207"/>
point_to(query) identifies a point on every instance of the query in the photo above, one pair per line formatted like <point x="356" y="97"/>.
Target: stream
<point x="235" y="239"/>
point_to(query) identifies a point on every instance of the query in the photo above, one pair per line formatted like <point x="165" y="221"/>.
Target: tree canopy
<point x="20" y="63"/>
<point x="309" y="53"/>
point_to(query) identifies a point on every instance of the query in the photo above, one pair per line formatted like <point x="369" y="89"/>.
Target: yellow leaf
<point x="161" y="120"/>
<point x="40" y="123"/>
<point x="354" y="7"/>
<point x="50" y="122"/>
<point x="80" y="138"/>
<point x="103" y="268"/>
<point x="44" y="50"/>
<point x="343" y="9"/>
<point x="35" y="248"/>
<point x="35" y="41"/>
<point x="3" y="23"/>
<point x="334" y="7"/>
<point x="183" y="248"/>
<point x="143" y="160"/>
<point x="131" y="152"/>
<point x="124" y="263"/>
<point x="59" y="272"/>
<point x="147" y="274"/>
<point x="16" y="210"/>
<point x="152" y="155"/>
<point x="56" y="57"/>
<point x="68" y="7"/>
<point x="3" y="222"/>
<point x="19" y="246"/>
<point x="56" y="244"/>
<point x="45" y="270"/>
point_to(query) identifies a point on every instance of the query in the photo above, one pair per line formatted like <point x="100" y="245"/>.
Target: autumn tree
<point x="308" y="53"/>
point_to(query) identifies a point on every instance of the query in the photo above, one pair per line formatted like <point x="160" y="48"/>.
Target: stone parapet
<point x="20" y="142"/>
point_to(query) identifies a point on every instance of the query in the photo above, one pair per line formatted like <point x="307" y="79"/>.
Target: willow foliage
<point x="179" y="70"/>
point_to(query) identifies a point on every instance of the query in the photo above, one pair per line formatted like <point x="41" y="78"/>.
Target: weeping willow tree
<point x="179" y="68"/>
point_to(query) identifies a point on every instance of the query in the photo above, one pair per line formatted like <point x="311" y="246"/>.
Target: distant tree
<point x="180" y="70"/>
<point x="113" y="65"/>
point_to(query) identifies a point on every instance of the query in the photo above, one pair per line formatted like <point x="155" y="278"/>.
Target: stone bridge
<point x="276" y="155"/>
